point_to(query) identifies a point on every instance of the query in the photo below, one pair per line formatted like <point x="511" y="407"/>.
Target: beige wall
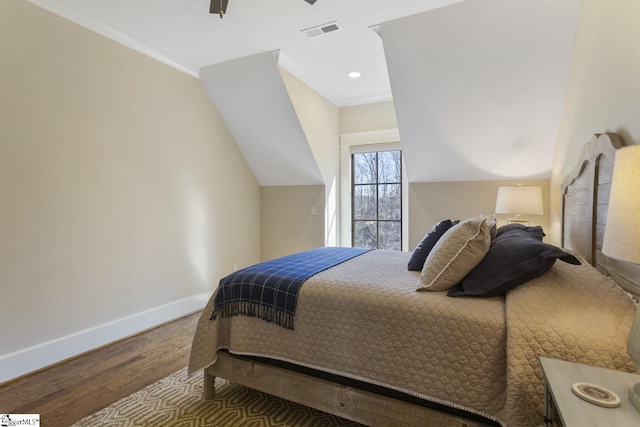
<point x="320" y="120"/>
<point x="368" y="117"/>
<point x="603" y="92"/>
<point x="288" y="221"/>
<point x="431" y="202"/>
<point x="124" y="198"/>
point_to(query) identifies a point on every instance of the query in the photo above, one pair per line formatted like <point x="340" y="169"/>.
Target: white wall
<point x="603" y="92"/>
<point x="124" y="198"/>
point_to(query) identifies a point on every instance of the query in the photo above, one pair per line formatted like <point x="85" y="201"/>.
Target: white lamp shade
<point x="622" y="232"/>
<point x="519" y="200"/>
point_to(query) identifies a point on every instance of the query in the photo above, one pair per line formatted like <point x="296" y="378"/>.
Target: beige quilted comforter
<point x="363" y="319"/>
<point x="572" y="313"/>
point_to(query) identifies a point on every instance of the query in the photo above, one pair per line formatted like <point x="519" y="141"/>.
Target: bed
<point x="368" y="347"/>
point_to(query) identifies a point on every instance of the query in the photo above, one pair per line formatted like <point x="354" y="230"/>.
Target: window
<point x="377" y="200"/>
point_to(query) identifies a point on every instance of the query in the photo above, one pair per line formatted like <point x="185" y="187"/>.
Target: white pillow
<point x="457" y="252"/>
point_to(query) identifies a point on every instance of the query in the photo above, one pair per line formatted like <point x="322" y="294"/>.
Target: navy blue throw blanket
<point x="269" y="290"/>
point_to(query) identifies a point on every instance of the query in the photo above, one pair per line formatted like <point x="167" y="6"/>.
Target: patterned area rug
<point x="176" y="401"/>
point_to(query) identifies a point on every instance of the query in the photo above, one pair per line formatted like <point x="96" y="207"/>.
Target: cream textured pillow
<point x="492" y="224"/>
<point x="457" y="252"/>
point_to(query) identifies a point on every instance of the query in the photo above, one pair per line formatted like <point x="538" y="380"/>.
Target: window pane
<point x="389" y="166"/>
<point x="377" y="200"/>
<point x="389" y="201"/>
<point x="364" y="202"/>
<point x="365" y="235"/>
<point x="390" y="235"/>
<point x="364" y="168"/>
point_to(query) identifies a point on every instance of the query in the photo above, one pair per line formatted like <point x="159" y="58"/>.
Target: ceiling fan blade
<point x="219" y="7"/>
<point x="310" y="1"/>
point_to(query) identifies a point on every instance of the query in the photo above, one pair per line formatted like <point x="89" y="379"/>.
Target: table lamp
<point x="519" y="201"/>
<point x="622" y="234"/>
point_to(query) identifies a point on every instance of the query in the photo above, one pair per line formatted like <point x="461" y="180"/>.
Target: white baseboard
<point x="29" y="359"/>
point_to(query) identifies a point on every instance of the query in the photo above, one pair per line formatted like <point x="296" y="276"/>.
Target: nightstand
<point x="563" y="408"/>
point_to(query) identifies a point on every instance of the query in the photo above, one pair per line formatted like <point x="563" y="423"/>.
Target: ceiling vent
<point x="322" y="29"/>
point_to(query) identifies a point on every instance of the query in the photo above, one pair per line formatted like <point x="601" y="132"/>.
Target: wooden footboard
<point x="347" y="402"/>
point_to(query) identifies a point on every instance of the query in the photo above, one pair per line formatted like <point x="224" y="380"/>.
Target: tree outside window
<point x="377" y="200"/>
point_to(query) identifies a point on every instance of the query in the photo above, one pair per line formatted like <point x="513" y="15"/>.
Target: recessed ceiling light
<point x="354" y="74"/>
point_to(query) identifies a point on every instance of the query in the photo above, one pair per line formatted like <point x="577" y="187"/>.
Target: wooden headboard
<point x="585" y="202"/>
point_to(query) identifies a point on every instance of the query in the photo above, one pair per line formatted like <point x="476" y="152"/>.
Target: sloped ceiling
<point x="254" y="103"/>
<point x="478" y="87"/>
<point x="184" y="35"/>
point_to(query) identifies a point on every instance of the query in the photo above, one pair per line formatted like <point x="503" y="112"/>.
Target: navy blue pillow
<point x="536" y="231"/>
<point x="513" y="258"/>
<point x="416" y="262"/>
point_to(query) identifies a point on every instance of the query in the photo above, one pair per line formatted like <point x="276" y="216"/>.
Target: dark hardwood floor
<point x="67" y="392"/>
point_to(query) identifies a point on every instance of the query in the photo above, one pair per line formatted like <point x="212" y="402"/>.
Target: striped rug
<point x="176" y="401"/>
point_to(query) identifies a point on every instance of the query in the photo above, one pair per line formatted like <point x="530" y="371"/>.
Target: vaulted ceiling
<point x="477" y="85"/>
<point x="183" y="33"/>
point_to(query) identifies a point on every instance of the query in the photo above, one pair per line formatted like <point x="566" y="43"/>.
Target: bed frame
<point x="348" y="402"/>
<point x="585" y="196"/>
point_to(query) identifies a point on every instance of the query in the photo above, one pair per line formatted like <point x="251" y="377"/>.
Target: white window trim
<point x="360" y="142"/>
